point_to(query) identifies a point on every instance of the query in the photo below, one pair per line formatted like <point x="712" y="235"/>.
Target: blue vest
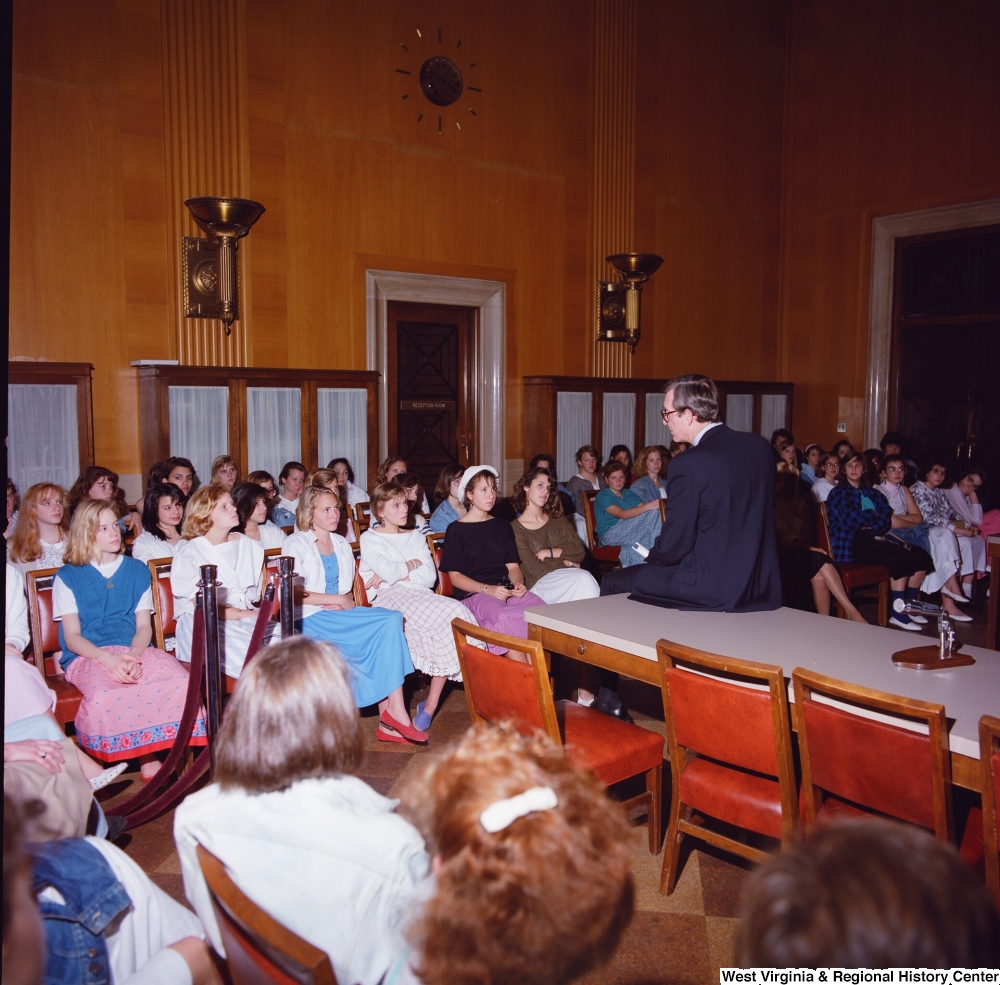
<point x="74" y="930"/>
<point x="107" y="615"/>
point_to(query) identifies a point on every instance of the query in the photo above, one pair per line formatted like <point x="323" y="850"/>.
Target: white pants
<point x="581" y="527"/>
<point x="946" y="556"/>
<point x="234" y="635"/>
<point x="567" y="585"/>
<point x="973" y="554"/>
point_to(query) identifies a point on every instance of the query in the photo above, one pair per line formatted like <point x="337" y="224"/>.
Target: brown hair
<point x="471" y="485"/>
<point x="385" y="493"/>
<point x="868" y="894"/>
<point x="80" y="490"/>
<point x="307" y="505"/>
<point x="24" y="542"/>
<point x="543" y="900"/>
<point x="219" y="462"/>
<point x="291" y="717"/>
<point x="639" y="469"/>
<point x="322" y="478"/>
<point x="583" y="449"/>
<point x="695" y="393"/>
<point x="198" y="515"/>
<point x="553" y="505"/>
<point x="81" y="545"/>
<point x="380" y="472"/>
<point x="448" y="475"/>
<point x="612" y="466"/>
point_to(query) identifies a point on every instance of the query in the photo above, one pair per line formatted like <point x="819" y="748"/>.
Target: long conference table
<point x="618" y="634"/>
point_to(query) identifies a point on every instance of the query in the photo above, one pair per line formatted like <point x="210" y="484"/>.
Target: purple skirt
<point x="502" y="617"/>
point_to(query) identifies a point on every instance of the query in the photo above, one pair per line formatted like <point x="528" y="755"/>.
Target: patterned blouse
<point x="934" y="505"/>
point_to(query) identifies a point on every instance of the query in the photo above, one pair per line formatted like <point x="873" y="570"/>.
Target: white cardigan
<point x="240" y="581"/>
<point x="302" y="546"/>
<point x="148" y="547"/>
<point x="328" y="858"/>
<point x="386" y="555"/>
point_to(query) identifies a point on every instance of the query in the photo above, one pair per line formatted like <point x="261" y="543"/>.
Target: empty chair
<point x="730" y="748"/>
<point x="989" y="761"/>
<point x="853" y="765"/>
<point x="501" y="689"/>
<point x="45" y="643"/>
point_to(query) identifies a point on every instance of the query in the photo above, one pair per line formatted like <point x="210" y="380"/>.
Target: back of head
<point x="538" y="902"/>
<point x="868" y="894"/>
<point x="697" y="394"/>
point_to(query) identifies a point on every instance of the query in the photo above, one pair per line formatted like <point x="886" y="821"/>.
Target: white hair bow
<point x="503" y="813"/>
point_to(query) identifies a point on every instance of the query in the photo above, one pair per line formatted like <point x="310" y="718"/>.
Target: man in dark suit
<point x="717" y="549"/>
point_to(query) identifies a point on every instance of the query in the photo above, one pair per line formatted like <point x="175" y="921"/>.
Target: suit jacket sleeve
<point x="680" y="529"/>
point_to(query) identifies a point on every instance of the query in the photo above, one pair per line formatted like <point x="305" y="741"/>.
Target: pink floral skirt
<point x="502" y="617"/>
<point x="121" y="721"/>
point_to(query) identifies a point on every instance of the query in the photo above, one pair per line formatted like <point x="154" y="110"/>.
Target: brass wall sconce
<point x="211" y="285"/>
<point x="618" y="301"/>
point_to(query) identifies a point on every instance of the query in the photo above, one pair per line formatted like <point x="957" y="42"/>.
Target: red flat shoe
<point x="411" y="733"/>
<point x="383" y="736"/>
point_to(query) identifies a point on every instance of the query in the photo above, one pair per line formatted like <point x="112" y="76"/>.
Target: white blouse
<point x="149" y="547"/>
<point x="309" y="564"/>
<point x="52" y="557"/>
<point x="386" y="555"/>
<point x="239" y="563"/>
<point x="271" y="535"/>
<point x="821" y="489"/>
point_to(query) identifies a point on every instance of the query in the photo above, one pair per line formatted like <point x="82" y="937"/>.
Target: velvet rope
<point x="260" y="626"/>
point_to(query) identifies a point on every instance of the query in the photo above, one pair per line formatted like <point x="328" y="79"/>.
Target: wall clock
<point x="441" y="85"/>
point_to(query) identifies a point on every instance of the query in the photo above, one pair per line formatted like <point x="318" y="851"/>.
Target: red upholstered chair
<point x="606" y="554"/>
<point x="989" y="760"/>
<point x="499" y="689"/>
<point x="164" y="623"/>
<point x="854" y="766"/>
<point x="730" y="747"/>
<point x="45" y="643"/>
<point x="435" y="543"/>
<point x="855" y="574"/>
<point x="259" y="950"/>
<point x="358" y="590"/>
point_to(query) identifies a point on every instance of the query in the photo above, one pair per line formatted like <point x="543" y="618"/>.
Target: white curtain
<point x="43" y="443"/>
<point x="656" y="431"/>
<point x="739" y="411"/>
<point x="274" y="428"/>
<point x="199" y="425"/>
<point x="343" y="428"/>
<point x="572" y="430"/>
<point x="772" y="413"/>
<point x="619" y="422"/>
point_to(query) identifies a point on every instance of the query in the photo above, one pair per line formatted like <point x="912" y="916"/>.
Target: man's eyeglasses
<point x="665" y="414"/>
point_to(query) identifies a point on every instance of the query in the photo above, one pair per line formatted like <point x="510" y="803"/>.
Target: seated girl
<point x="963" y="495"/>
<point x="828" y="470"/>
<point x="180" y="473"/>
<point x="341" y="467"/>
<point x="547" y="544"/>
<point x="392" y="468"/>
<point x="811" y="456"/>
<point x="586" y="478"/>
<point x="481" y="557"/>
<point x="448" y="506"/>
<point x="649" y="475"/>
<point x="327" y="479"/>
<point x="100" y="483"/>
<point x="13" y="505"/>
<point x="622" y="519"/>
<point x="370" y="640"/>
<point x="210" y="537"/>
<point x="397" y="563"/>
<point x="133" y="694"/>
<point x="859" y="517"/>
<point x="292" y="479"/>
<point x="531" y="865"/>
<point x="623" y="454"/>
<point x="325" y="854"/>
<point x="251" y="507"/>
<point x="39" y="536"/>
<point x="409" y="482"/>
<point x="224" y="472"/>
<point x="162" y="512"/>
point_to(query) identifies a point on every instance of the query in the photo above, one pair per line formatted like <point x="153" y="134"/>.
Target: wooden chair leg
<point x="883" y="603"/>
<point x="654" y="819"/>
<point x="671" y="855"/>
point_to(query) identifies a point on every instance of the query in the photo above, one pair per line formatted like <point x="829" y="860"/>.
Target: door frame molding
<point x="490" y="299"/>
<point x="885" y="231"/>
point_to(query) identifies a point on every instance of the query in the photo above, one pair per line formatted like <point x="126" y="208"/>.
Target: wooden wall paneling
<point x="310" y="426"/>
<point x="238" y="423"/>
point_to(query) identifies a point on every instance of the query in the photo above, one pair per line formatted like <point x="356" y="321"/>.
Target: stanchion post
<point x="286" y="595"/>
<point x="208" y="601"/>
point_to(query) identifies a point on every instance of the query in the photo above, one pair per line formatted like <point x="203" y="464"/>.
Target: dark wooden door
<point x="431" y="387"/>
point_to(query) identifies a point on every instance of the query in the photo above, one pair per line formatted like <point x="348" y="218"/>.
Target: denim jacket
<point x="77" y="952"/>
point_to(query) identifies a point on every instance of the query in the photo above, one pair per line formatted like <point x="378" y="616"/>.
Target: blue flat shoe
<point x="421" y="719"/>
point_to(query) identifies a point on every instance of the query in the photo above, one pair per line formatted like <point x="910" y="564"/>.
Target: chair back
<point x="269" y="567"/>
<point x="886" y="768"/>
<point x="499" y="689"/>
<point x="362" y="513"/>
<point x="359" y="591"/>
<point x="435" y="544"/>
<point x="259" y="950"/>
<point x="164" y="623"/>
<point x="989" y="762"/>
<point x="589" y="495"/>
<point x="44" y="629"/>
<point x="822" y="532"/>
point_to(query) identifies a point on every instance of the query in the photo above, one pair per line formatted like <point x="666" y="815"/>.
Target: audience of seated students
<point x="448" y="507"/>
<point x="345" y="479"/>
<point x="941" y="515"/>
<point x="133" y="693"/>
<point x="79" y="909"/>
<point x="39" y="535"/>
<point x="963" y="495"/>
<point x="309" y="842"/>
<point x="292" y="479"/>
<point x="210" y="537"/>
<point x="649" y="474"/>
<point x="13" y="504"/>
<point x="162" y="513"/>
<point x="547" y="544"/>
<point x="842" y="449"/>
<point x="100" y="483"/>
<point x="251" y="502"/>
<point x="224" y="472"/>
<point x="809" y="464"/>
<point x="392" y="468"/>
<point x="531" y="866"/>
<point x="409" y="482"/>
<point x="371" y="640"/>
<point x="481" y="557"/>
<point x="587" y="478"/>
<point x="859" y="517"/>
<point x="828" y="470"/>
<point x="800" y="562"/>
<point x="399" y="573"/>
<point x="622" y="519"/>
<point x="623" y="454"/>
<point x="867" y="894"/>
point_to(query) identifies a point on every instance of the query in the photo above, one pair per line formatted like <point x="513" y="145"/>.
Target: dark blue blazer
<point x="717" y="549"/>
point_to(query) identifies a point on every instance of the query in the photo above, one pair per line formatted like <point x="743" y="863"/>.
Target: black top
<point x="480" y="551"/>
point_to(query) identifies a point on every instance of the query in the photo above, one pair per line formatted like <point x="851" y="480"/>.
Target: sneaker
<point x="111" y="774"/>
<point x="911" y="626"/>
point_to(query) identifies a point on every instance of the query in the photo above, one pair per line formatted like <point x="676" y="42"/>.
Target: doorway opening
<point x="431" y="383"/>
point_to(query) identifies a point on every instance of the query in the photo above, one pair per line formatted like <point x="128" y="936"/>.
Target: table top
<point x="849" y="651"/>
